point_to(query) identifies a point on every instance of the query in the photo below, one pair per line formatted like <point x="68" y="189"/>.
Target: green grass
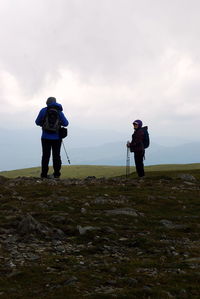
<point x="82" y="171"/>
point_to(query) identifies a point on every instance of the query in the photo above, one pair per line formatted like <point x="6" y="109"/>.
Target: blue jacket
<point x="41" y="115"/>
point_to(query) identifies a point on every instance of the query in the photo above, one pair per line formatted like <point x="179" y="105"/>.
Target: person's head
<point x="137" y="124"/>
<point x="50" y="101"/>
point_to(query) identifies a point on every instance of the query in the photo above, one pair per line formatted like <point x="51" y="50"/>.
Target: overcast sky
<point x="107" y="62"/>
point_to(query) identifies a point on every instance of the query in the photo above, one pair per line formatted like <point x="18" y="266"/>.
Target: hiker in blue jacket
<point x="51" y="140"/>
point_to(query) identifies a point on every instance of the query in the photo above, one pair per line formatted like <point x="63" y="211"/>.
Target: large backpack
<point x="51" y="123"/>
<point x="146" y="140"/>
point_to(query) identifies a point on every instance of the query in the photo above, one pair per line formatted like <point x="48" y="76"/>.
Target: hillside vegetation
<point x="82" y="171"/>
<point x="101" y="238"/>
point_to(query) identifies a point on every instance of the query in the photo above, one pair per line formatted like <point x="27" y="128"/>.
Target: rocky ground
<point x="100" y="238"/>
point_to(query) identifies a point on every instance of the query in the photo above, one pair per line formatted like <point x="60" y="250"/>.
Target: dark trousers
<point x="47" y="146"/>
<point x="139" y="157"/>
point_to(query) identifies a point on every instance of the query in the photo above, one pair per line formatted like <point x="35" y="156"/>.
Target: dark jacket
<point x="40" y="118"/>
<point x="136" y="144"/>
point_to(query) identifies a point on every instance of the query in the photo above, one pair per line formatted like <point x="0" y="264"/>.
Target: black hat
<point x="51" y="100"/>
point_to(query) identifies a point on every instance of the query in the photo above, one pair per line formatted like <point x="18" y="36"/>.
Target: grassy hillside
<point x="82" y="171"/>
<point x="100" y="238"/>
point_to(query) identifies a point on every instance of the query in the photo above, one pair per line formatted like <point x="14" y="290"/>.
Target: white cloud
<point x="107" y="61"/>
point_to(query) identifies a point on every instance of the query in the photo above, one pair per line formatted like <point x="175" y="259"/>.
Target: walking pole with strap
<point x="128" y="162"/>
<point x="66" y="152"/>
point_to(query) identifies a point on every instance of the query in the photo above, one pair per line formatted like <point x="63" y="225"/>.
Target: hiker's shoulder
<point x="43" y="110"/>
<point x="139" y="132"/>
<point x="56" y="105"/>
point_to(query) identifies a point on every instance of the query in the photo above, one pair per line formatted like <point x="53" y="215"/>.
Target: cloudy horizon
<point x="106" y="62"/>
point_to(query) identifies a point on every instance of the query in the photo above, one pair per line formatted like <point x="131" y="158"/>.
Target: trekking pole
<point x="128" y="162"/>
<point x="66" y="152"/>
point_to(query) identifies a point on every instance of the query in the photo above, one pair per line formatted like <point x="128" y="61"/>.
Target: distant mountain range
<point x="115" y="154"/>
<point x="22" y="149"/>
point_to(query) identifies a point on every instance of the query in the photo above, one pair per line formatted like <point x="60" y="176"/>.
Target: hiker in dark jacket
<point x="137" y="146"/>
<point x="51" y="140"/>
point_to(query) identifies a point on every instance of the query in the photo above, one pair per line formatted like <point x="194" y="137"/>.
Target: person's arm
<point x="64" y="121"/>
<point x="40" y="117"/>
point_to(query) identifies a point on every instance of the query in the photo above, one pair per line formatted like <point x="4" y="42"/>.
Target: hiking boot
<point x="141" y="179"/>
<point x="45" y="177"/>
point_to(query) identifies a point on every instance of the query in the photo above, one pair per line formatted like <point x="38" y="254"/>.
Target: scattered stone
<point x="31" y="225"/>
<point x="167" y="223"/>
<point x="100" y="200"/>
<point x="90" y="178"/>
<point x="85" y="229"/>
<point x="168" y="294"/>
<point x="71" y="280"/>
<point x="83" y="211"/>
<point x="63" y="198"/>
<point x="186" y="177"/>
<point x="33" y="257"/>
<point x="123" y="211"/>
<point x="131" y="281"/>
<point x="58" y="218"/>
<point x="14" y="274"/>
<point x="120" y="247"/>
<point x="193" y="260"/>
<point x="189" y="183"/>
<point x="183" y="293"/>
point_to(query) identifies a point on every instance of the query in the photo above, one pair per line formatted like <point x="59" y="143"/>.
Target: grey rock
<point x="168" y="294"/>
<point x="31" y="225"/>
<point x="71" y="280"/>
<point x="90" y="178"/>
<point x="58" y="218"/>
<point x="14" y="274"/>
<point x="66" y="198"/>
<point x="186" y="177"/>
<point x="33" y="257"/>
<point x="132" y="281"/>
<point x="123" y="211"/>
<point x="85" y="229"/>
<point x="193" y="260"/>
<point x="167" y="223"/>
<point x="100" y="200"/>
<point x="189" y="183"/>
<point x="83" y="211"/>
<point x="60" y="249"/>
<point x="57" y="233"/>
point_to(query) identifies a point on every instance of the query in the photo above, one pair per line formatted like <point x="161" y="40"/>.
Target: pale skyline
<point x="107" y="62"/>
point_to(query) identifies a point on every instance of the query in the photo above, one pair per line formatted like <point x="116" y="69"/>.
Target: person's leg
<point x="139" y="157"/>
<point x="46" y="152"/>
<point x="56" y="145"/>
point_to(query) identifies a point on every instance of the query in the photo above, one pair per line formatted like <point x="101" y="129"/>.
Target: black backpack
<point x="146" y="141"/>
<point x="51" y="122"/>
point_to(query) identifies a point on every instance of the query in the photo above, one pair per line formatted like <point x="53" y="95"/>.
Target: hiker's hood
<point x="138" y="122"/>
<point x="58" y="106"/>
